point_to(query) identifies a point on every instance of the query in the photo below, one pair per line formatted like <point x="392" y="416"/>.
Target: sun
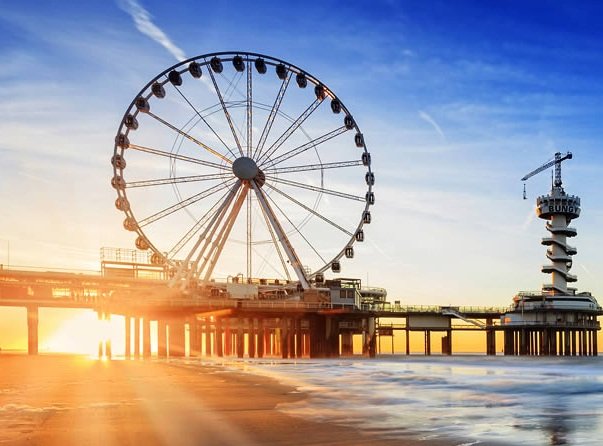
<point x="82" y="333"/>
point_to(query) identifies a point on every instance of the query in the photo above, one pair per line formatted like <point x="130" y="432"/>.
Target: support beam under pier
<point x="32" y="330"/>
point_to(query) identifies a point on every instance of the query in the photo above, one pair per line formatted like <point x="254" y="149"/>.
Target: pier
<point x="225" y="327"/>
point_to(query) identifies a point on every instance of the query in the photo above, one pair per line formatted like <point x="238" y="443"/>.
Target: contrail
<point x="144" y="23"/>
<point x="431" y="121"/>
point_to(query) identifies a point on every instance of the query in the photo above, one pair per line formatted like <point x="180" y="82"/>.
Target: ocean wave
<point x="516" y="400"/>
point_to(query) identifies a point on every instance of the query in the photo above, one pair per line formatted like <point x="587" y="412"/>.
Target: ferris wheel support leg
<point x="224" y="234"/>
<point x="184" y="270"/>
<point x="249" y="237"/>
<point x="196" y="270"/>
<point x="288" y="248"/>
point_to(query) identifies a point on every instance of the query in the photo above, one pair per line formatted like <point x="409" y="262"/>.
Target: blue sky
<point x="457" y="101"/>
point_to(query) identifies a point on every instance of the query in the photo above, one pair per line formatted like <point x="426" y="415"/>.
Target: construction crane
<point x="555" y="162"/>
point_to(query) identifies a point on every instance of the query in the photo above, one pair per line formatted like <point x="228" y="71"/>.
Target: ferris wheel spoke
<point x="185" y="268"/>
<point x="205" y="122"/>
<point x="273" y="112"/>
<point x="308" y="167"/>
<point x="282" y="236"/>
<point x="225" y="110"/>
<point x="223" y="235"/>
<point x="176" y="156"/>
<point x="275" y="243"/>
<point x="181" y="205"/>
<point x="230" y="90"/>
<point x="175" y="180"/>
<point x="197" y="226"/>
<point x="189" y="137"/>
<point x="309" y="209"/>
<point x="249" y="107"/>
<point x="292" y="128"/>
<point x="307" y="146"/>
<point x="249" y="236"/>
<point x="284" y="214"/>
<point x="316" y="189"/>
<point x="232" y="85"/>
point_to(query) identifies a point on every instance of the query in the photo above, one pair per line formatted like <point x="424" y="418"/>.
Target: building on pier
<point x="557" y="320"/>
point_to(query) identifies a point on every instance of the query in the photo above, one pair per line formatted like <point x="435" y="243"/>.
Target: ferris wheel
<point x="238" y="163"/>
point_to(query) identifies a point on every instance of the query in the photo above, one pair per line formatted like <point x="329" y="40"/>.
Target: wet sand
<point x="69" y="400"/>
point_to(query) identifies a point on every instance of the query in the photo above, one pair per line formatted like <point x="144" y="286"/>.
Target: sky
<point x="456" y="101"/>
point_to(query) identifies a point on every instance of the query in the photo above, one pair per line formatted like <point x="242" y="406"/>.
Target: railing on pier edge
<point x="92" y="290"/>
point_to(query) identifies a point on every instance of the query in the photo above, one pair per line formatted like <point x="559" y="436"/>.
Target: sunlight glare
<point x="82" y="333"/>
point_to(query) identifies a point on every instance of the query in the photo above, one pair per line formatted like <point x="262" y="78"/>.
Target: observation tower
<point x="559" y="209"/>
<point x="558" y="320"/>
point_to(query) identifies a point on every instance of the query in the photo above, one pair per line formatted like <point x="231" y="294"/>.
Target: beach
<point x="68" y="400"/>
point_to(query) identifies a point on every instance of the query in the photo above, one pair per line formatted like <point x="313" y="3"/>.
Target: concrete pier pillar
<point x="104" y="343"/>
<point x="566" y="343"/>
<point x="239" y="339"/>
<point x="194" y="336"/>
<point x="277" y="342"/>
<point x="128" y="337"/>
<point x="284" y="338"/>
<point x="407" y="339"/>
<point x="332" y="337"/>
<point x="251" y="338"/>
<point x="260" y="338"/>
<point x="298" y="339"/>
<point x="137" y="337"/>
<point x="146" y="338"/>
<point x="32" y="330"/>
<point x="545" y="342"/>
<point x="176" y="338"/>
<point x="307" y="343"/>
<point x="428" y="342"/>
<point x="595" y="346"/>
<point x="523" y="342"/>
<point x="369" y="337"/>
<point x="372" y="331"/>
<point x="490" y="338"/>
<point x="207" y="335"/>
<point x="218" y="339"/>
<point x="317" y="336"/>
<point x="161" y="338"/>
<point x="506" y="343"/>
<point x="268" y="342"/>
<point x="347" y="343"/>
<point x="291" y="338"/>
<point x="227" y="337"/>
<point x="446" y="343"/>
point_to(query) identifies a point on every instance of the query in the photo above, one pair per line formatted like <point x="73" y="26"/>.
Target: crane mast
<point x="557" y="183"/>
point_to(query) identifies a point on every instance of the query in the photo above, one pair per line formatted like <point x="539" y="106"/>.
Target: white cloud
<point x="427" y="118"/>
<point x="144" y="23"/>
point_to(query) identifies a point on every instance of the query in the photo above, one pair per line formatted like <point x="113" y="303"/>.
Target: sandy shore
<point x="67" y="400"/>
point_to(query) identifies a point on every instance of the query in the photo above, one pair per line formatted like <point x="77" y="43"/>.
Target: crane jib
<point x="556" y="161"/>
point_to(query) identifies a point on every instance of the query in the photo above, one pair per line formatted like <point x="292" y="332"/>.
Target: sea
<point x="471" y="400"/>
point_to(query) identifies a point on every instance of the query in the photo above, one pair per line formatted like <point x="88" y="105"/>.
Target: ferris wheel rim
<point x="205" y="60"/>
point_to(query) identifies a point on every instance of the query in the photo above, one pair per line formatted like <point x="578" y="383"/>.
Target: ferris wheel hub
<point x="245" y="168"/>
